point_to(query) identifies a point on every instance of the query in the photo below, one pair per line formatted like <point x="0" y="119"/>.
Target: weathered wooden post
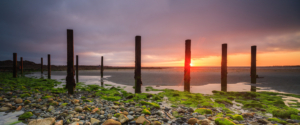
<point x="77" y="69"/>
<point x="70" y="85"/>
<point x="224" y="68"/>
<point x="102" y="70"/>
<point x="253" y="68"/>
<point x="187" y="65"/>
<point x="15" y="65"/>
<point x="42" y="66"/>
<point x="49" y="67"/>
<point x="137" y="72"/>
<point x="21" y="65"/>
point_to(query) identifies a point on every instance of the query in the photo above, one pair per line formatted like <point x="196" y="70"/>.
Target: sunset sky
<point x="35" y="28"/>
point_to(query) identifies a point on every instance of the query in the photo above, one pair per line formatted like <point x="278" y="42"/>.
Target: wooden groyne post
<point x="137" y="72"/>
<point x="42" y="66"/>
<point x="102" y="70"/>
<point x="253" y="68"/>
<point x="187" y="65"/>
<point x="49" y="67"/>
<point x="70" y="62"/>
<point x="224" y="68"/>
<point x="21" y="65"/>
<point x="15" y="65"/>
<point x="77" y="65"/>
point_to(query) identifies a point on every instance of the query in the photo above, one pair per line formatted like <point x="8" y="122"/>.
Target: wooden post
<point x="224" y="68"/>
<point x="21" y="65"/>
<point x="41" y="65"/>
<point x="77" y="65"/>
<point x="102" y="70"/>
<point x="70" y="81"/>
<point x="15" y="65"/>
<point x="49" y="67"/>
<point x="187" y="66"/>
<point x="137" y="72"/>
<point x="253" y="68"/>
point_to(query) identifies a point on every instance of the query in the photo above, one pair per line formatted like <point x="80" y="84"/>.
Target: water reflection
<point x="204" y="89"/>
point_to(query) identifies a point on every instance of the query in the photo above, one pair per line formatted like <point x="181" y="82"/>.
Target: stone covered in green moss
<point x="284" y="113"/>
<point x="277" y="120"/>
<point x="27" y="102"/>
<point x="46" y="97"/>
<point x="146" y="111"/>
<point x="151" y="104"/>
<point x="25" y="115"/>
<point x="223" y="121"/>
<point x="296" y="117"/>
<point x="203" y="111"/>
<point x="224" y="101"/>
<point x="25" y="95"/>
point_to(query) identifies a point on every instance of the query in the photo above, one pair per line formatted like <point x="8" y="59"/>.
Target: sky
<point x="35" y="28"/>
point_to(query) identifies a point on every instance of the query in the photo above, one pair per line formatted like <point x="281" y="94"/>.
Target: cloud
<point x="36" y="28"/>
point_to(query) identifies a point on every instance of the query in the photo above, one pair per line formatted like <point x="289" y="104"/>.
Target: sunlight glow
<point x="191" y="64"/>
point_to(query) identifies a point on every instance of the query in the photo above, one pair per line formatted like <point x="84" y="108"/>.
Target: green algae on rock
<point x="223" y="121"/>
<point x="25" y="115"/>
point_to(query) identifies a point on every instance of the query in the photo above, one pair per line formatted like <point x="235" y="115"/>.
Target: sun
<point x="191" y="64"/>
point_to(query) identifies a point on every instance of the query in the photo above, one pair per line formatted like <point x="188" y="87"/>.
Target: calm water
<point x="203" y="80"/>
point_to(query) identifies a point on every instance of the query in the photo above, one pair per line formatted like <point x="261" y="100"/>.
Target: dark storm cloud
<point x="34" y="29"/>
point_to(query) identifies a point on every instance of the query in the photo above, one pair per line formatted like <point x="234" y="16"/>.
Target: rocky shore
<point x="96" y="105"/>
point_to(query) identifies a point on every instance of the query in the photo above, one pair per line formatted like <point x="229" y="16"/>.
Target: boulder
<point x="46" y="121"/>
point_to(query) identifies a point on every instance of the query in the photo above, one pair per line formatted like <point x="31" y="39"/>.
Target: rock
<point x="78" y="109"/>
<point x="192" y="121"/>
<point x="19" y="108"/>
<point x="51" y="108"/>
<point x="93" y="120"/>
<point x="95" y="109"/>
<point x="87" y="123"/>
<point x="115" y="107"/>
<point x="74" y="101"/>
<point x="3" y="109"/>
<point x="7" y="105"/>
<point x="138" y="109"/>
<point x="60" y="122"/>
<point x="76" y="123"/>
<point x="156" y="123"/>
<point x="111" y="122"/>
<point x="46" y="121"/>
<point x="201" y="117"/>
<point x="18" y="100"/>
<point x="122" y="118"/>
<point x="125" y="113"/>
<point x="254" y="123"/>
<point x="248" y="115"/>
<point x="263" y="121"/>
<point x="130" y="117"/>
<point x="141" y="120"/>
<point x="204" y="122"/>
<point x="190" y="110"/>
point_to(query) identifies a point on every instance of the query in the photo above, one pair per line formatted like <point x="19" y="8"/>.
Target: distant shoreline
<point x="31" y="66"/>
